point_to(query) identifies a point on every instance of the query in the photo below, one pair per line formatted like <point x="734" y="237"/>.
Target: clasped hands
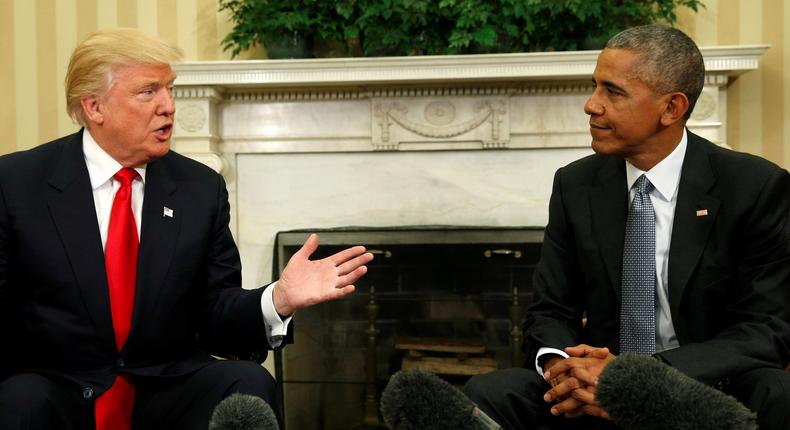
<point x="574" y="379"/>
<point x="306" y="282"/>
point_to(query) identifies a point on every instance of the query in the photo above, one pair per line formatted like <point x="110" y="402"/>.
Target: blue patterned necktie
<point x="637" y="301"/>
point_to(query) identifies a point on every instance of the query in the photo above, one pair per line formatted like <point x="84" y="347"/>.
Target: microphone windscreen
<point x="243" y="412"/>
<point x="415" y="399"/>
<point x="642" y="393"/>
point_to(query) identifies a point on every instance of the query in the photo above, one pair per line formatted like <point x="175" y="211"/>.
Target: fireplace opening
<point x="440" y="298"/>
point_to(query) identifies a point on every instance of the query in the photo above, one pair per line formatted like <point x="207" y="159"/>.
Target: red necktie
<point x="113" y="409"/>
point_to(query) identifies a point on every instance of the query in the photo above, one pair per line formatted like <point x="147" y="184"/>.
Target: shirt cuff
<point x="543" y="351"/>
<point x="276" y="328"/>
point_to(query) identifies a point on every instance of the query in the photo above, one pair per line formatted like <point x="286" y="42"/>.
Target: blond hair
<point x="93" y="62"/>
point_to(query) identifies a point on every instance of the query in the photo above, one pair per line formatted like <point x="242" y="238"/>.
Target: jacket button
<point x="87" y="392"/>
<point x="120" y="364"/>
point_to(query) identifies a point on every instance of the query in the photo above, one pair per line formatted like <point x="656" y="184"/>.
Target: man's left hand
<point x="305" y="282"/>
<point x="575" y="394"/>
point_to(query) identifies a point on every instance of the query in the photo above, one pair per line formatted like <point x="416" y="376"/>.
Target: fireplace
<point x="430" y="282"/>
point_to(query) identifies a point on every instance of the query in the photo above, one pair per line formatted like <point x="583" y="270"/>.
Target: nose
<point x="593" y="106"/>
<point x="167" y="104"/>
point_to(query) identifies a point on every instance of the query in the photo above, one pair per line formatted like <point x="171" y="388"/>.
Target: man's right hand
<point x="573" y="381"/>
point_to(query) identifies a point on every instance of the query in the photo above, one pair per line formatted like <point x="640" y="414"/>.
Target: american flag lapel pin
<point x="168" y="212"/>
<point x="702" y="212"/>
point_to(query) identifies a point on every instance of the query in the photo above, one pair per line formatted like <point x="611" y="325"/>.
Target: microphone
<point x="419" y="400"/>
<point x="243" y="412"/>
<point x="642" y="393"/>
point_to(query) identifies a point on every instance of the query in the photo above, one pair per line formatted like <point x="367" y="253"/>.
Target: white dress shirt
<point x="665" y="177"/>
<point x="101" y="169"/>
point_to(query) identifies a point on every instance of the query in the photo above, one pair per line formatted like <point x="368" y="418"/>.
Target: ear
<point x="91" y="107"/>
<point x="675" y="109"/>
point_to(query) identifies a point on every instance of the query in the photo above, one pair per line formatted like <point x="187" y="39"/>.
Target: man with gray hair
<point x="660" y="244"/>
<point x="118" y="272"/>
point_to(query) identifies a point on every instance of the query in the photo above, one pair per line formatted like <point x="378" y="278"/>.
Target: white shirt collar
<point x="665" y="176"/>
<point x="101" y="166"/>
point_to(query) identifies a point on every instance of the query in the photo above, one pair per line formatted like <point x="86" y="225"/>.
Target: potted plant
<point x="430" y="27"/>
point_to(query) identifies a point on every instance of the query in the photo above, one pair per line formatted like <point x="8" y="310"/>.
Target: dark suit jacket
<point x="54" y="304"/>
<point x="729" y="270"/>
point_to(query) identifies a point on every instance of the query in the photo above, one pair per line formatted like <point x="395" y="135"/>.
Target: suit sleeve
<point x="5" y="307"/>
<point x="554" y="319"/>
<point x="232" y="318"/>
<point x="755" y="328"/>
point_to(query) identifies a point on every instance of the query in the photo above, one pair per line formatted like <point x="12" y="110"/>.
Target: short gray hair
<point x="670" y="60"/>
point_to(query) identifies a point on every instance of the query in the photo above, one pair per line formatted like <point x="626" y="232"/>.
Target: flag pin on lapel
<point x="700" y="212"/>
<point x="169" y="212"/>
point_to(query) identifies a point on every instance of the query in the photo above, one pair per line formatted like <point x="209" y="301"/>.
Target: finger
<point x="561" y="390"/>
<point x="595" y="411"/>
<point x="599" y="353"/>
<point x="584" y="376"/>
<point x="339" y="293"/>
<point x="347" y="254"/>
<point x="578" y="350"/>
<point x="309" y="247"/>
<point x="566" y="406"/>
<point x="352" y="277"/>
<point x="585" y="396"/>
<point x="563" y="366"/>
<point x="576" y="413"/>
<point x="353" y="264"/>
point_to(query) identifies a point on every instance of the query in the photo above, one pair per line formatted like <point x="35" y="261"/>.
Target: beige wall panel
<point x="728" y="19"/>
<point x="107" y="13"/>
<point x="207" y="40"/>
<point x="706" y="30"/>
<point x="751" y="100"/>
<point x="65" y="41"/>
<point x="786" y="102"/>
<point x="47" y="86"/>
<point x="167" y="24"/>
<point x="773" y="82"/>
<point x="87" y="18"/>
<point x="187" y="28"/>
<point x="7" y="77"/>
<point x="127" y="13"/>
<point x="147" y="16"/>
<point x="25" y="72"/>
<point x="224" y="26"/>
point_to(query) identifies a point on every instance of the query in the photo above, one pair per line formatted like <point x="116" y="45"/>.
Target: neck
<point x="660" y="146"/>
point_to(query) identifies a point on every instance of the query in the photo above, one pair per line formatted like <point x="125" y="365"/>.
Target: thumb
<point x="309" y="247"/>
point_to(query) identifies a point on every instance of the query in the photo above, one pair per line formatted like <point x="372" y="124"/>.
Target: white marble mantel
<point x="434" y="140"/>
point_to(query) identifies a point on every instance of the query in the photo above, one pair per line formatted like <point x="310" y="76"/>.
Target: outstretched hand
<point x="305" y="282"/>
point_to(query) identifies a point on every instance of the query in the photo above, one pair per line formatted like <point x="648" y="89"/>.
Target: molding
<point x="333" y="72"/>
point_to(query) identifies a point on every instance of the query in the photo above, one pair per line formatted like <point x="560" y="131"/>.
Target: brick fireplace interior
<point x="440" y="283"/>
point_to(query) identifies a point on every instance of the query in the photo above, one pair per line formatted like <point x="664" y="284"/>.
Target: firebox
<point x="448" y="299"/>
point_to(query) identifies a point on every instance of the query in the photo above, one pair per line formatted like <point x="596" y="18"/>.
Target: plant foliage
<point x="428" y="27"/>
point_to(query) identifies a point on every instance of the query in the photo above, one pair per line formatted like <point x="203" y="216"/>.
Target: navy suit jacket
<point x="729" y="267"/>
<point x="54" y="304"/>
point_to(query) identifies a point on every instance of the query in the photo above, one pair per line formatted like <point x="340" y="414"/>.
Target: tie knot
<point x="125" y="176"/>
<point x="643" y="185"/>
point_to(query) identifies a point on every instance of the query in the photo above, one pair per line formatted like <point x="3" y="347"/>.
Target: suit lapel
<point x="161" y="222"/>
<point x="74" y="214"/>
<point x="609" y="209"/>
<point x="695" y="213"/>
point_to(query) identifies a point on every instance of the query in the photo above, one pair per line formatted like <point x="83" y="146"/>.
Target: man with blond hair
<point x="118" y="272"/>
<point x="662" y="244"/>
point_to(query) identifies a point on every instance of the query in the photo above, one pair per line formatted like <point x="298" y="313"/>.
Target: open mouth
<point x="164" y="131"/>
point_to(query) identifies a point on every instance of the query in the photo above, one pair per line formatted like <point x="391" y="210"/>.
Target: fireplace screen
<point x="445" y="299"/>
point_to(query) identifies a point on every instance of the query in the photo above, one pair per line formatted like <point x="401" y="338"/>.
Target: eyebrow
<point x="609" y="84"/>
